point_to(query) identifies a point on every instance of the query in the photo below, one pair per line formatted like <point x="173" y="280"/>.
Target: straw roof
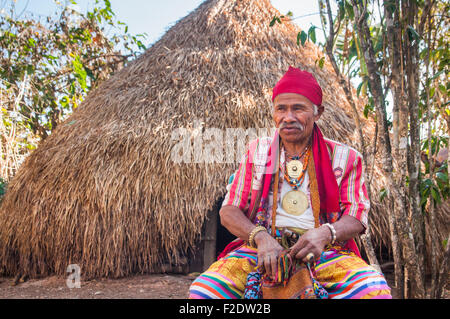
<point x="102" y="190"/>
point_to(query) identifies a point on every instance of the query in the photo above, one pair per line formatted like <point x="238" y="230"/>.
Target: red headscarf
<point x="300" y="82"/>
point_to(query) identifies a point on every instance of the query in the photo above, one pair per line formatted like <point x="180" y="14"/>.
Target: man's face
<point x="293" y="115"/>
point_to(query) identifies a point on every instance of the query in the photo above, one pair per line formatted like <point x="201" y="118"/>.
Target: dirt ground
<point x="137" y="287"/>
<point x="161" y="286"/>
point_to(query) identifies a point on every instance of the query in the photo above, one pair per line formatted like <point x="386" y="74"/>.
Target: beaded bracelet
<point x="251" y="237"/>
<point x="333" y="232"/>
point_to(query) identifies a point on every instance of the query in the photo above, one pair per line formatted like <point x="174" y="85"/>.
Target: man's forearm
<point x="347" y="227"/>
<point x="233" y="219"/>
<point x="315" y="240"/>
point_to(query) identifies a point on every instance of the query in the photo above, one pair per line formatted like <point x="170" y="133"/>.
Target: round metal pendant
<point x="295" y="202"/>
<point x="294" y="168"/>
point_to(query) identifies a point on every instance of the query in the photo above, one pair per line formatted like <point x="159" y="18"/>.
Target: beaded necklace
<point x="297" y="182"/>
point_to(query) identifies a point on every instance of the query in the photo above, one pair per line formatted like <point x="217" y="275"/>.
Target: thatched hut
<point x="103" y="190"/>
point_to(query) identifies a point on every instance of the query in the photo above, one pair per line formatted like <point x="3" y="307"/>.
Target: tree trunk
<point x="443" y="275"/>
<point x="412" y="72"/>
<point x="433" y="254"/>
<point x="396" y="253"/>
<point x="400" y="211"/>
<point x="400" y="129"/>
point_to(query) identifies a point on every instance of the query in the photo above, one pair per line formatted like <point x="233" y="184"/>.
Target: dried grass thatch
<point x="102" y="190"/>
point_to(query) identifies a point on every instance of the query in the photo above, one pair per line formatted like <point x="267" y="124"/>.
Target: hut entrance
<point x="213" y="240"/>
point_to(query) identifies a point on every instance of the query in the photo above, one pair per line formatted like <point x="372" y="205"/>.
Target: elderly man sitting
<point x="297" y="198"/>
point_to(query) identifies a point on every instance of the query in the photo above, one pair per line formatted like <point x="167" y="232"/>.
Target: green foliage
<point x="3" y="185"/>
<point x="383" y="194"/>
<point x="312" y="34"/>
<point x="279" y="19"/>
<point x="274" y="20"/>
<point x="303" y="36"/>
<point x="434" y="185"/>
<point x="321" y="62"/>
<point x="435" y="189"/>
<point x="50" y="66"/>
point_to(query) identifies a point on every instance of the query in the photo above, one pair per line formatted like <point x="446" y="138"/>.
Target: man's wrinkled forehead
<point x="291" y="99"/>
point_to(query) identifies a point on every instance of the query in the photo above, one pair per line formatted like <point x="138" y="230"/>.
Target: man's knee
<point x="201" y="290"/>
<point x="211" y="286"/>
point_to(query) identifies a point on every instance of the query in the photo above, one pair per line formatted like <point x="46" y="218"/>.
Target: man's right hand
<point x="233" y="219"/>
<point x="268" y="252"/>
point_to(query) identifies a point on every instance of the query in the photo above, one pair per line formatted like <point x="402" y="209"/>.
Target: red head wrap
<point x="300" y="82"/>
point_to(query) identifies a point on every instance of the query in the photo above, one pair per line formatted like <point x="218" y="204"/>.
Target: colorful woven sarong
<point x="341" y="273"/>
<point x="346" y="276"/>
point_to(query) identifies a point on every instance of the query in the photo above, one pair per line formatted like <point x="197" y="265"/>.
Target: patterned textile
<point x="319" y="290"/>
<point x="226" y="278"/>
<point x="340" y="272"/>
<point x="253" y="286"/>
<point x="346" y="276"/>
<point x="300" y="286"/>
<point x="292" y="281"/>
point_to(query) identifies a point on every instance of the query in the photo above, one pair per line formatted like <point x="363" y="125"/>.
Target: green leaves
<point x="369" y="107"/>
<point x="383" y="193"/>
<point x="79" y="72"/>
<point x="274" y="20"/>
<point x="441" y="179"/>
<point x="312" y="34"/>
<point x="412" y="33"/>
<point x="435" y="188"/>
<point x="59" y="61"/>
<point x="64" y="102"/>
<point x="3" y="185"/>
<point x="302" y="36"/>
<point x="321" y="62"/>
<point x="429" y="190"/>
<point x="362" y="89"/>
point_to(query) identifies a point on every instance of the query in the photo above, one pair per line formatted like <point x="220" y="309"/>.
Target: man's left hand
<point x="313" y="241"/>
